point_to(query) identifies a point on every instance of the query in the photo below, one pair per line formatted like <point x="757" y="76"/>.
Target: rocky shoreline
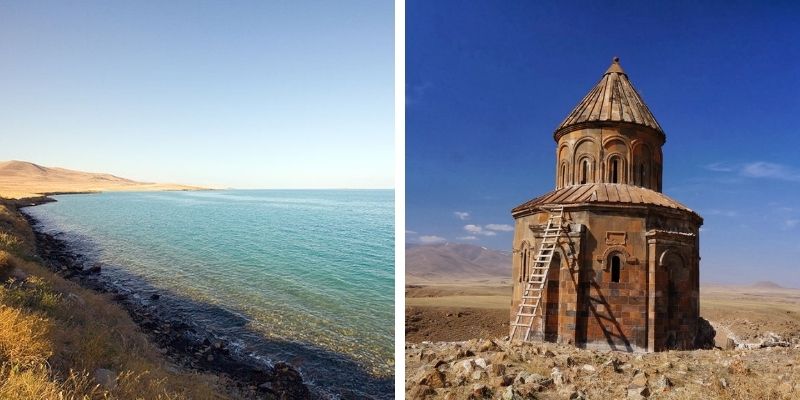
<point x="182" y="343"/>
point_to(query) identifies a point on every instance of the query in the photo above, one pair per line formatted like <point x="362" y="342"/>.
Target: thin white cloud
<point x="410" y="232"/>
<point x="724" y="213"/>
<point x="473" y="228"/>
<point x="791" y="223"/>
<point x="499" y="227"/>
<point x="763" y="169"/>
<point x="429" y="239"/>
<point x="758" y="170"/>
<point x="719" y="167"/>
<point x="467" y="238"/>
<point x="462" y="215"/>
<point x="478" y="230"/>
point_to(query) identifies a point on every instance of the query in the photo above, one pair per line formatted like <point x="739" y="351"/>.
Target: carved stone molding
<point x="619" y="249"/>
<point x="615" y="238"/>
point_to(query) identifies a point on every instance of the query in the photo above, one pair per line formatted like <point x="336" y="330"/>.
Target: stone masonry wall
<point x="653" y="307"/>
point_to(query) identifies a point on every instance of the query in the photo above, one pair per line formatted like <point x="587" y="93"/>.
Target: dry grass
<point x="24" y="337"/>
<point x="54" y="335"/>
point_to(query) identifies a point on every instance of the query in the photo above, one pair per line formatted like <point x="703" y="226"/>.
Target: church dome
<point x="613" y="99"/>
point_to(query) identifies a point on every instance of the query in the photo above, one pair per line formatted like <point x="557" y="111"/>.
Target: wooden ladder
<point x="536" y="280"/>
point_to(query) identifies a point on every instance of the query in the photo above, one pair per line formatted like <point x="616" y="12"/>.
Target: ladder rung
<point x="543" y="266"/>
<point x="525" y="315"/>
<point x="520" y="325"/>
<point x="532" y="297"/>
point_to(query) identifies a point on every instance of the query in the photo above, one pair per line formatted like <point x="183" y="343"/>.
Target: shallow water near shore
<point x="313" y="268"/>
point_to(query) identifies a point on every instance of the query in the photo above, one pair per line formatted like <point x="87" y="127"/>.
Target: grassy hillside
<point x="60" y="341"/>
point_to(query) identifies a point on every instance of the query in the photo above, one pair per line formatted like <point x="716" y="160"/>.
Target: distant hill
<point x="767" y="285"/>
<point x="20" y="179"/>
<point x="450" y="262"/>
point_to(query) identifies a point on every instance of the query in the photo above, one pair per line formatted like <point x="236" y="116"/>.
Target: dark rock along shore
<point x="184" y="345"/>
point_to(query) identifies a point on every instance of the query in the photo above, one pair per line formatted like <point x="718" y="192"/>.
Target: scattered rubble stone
<point x="525" y="371"/>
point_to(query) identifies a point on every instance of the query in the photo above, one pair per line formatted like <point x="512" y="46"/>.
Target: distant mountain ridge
<point x="767" y="285"/>
<point x="455" y="262"/>
<point x="20" y="179"/>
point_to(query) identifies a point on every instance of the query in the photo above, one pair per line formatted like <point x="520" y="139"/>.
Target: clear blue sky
<point x="487" y="83"/>
<point x="257" y="94"/>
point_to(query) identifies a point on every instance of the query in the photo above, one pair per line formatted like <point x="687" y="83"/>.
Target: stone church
<point x="606" y="260"/>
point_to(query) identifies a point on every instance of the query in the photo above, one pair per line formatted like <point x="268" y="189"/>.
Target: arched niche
<point x="562" y="174"/>
<point x="675" y="286"/>
<point x="671" y="258"/>
<point x="616" y="144"/>
<point x="585" y="168"/>
<point x="616" y="168"/>
<point x="642" y="167"/>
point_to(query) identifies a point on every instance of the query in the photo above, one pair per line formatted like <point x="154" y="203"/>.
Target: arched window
<point x="642" y="175"/>
<point x="584" y="171"/>
<point x="616" y="265"/>
<point x="563" y="174"/>
<point x="614" y="170"/>
<point x="523" y="277"/>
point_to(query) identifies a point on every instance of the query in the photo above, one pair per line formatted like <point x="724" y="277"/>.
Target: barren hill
<point x="20" y="179"/>
<point x="454" y="262"/>
<point x="767" y="285"/>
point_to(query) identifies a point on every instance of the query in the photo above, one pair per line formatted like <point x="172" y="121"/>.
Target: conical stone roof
<point x="613" y="99"/>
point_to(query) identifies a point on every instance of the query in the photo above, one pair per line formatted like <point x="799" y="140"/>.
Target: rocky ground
<point x="757" y="355"/>
<point x="180" y="342"/>
<point x="454" y="324"/>
<point x="498" y="369"/>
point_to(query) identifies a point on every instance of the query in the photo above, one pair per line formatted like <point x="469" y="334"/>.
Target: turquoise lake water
<point x="314" y="268"/>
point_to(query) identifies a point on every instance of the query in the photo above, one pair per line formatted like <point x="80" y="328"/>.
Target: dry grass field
<point x="741" y="312"/>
